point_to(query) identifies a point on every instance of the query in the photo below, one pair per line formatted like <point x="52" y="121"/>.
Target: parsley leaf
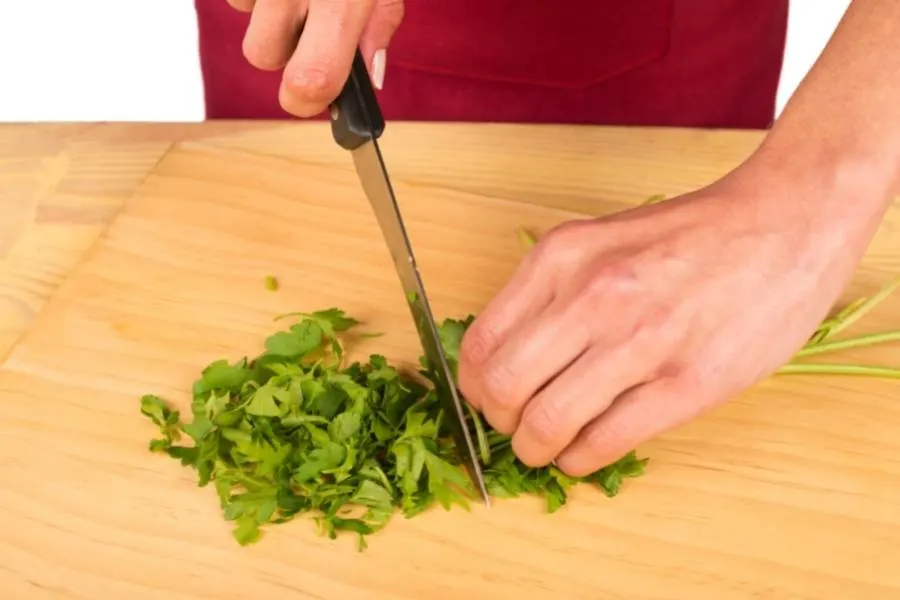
<point x="168" y="421"/>
<point x="299" y="341"/>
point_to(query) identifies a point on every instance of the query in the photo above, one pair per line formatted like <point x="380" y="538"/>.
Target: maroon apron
<point x="692" y="63"/>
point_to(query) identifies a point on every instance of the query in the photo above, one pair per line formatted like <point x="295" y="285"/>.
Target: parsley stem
<point x="824" y="329"/>
<point x="858" y="309"/>
<point x="850" y="309"/>
<point x="854" y="342"/>
<point x="654" y="199"/>
<point x="526" y="238"/>
<point x="839" y="369"/>
<point x="484" y="449"/>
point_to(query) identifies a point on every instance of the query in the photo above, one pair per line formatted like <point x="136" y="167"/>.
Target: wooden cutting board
<point x="791" y="491"/>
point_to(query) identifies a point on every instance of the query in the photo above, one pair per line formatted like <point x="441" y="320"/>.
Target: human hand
<point x="616" y="329"/>
<point x="317" y="66"/>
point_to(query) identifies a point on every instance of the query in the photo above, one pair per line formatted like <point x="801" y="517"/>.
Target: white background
<point x="136" y="60"/>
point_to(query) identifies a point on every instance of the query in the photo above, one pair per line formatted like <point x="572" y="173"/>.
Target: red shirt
<point x="694" y="63"/>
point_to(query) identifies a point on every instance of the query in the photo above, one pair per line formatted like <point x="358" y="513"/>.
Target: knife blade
<point x="356" y="124"/>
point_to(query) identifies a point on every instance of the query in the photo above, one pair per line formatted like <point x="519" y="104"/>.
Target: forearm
<point x="840" y="133"/>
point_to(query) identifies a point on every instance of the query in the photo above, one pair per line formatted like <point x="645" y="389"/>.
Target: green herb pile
<point x="293" y="432"/>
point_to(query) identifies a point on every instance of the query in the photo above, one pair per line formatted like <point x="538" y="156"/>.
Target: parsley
<point x="526" y="238"/>
<point x="294" y="432"/>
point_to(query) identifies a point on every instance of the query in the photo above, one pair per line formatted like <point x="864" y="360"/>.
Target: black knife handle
<point x="355" y="115"/>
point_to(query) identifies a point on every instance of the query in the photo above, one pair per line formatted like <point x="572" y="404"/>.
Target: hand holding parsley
<point x="616" y="329"/>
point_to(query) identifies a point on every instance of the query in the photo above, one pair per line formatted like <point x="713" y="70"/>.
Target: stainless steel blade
<point x="377" y="186"/>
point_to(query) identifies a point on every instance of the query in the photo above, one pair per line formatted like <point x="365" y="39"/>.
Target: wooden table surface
<point x="132" y="255"/>
<point x="60" y="186"/>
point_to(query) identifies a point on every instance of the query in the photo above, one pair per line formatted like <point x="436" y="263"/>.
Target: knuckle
<point x="542" y="420"/>
<point x="598" y="444"/>
<point x="555" y="247"/>
<point x="499" y="386"/>
<point x="552" y="236"/>
<point x="567" y="228"/>
<point x="617" y="278"/>
<point x="596" y="286"/>
<point x="605" y="437"/>
<point x="544" y="253"/>
<point x="675" y="370"/>
<point x="655" y="326"/>
<point x="343" y="12"/>
<point x="477" y="344"/>
<point x="698" y="387"/>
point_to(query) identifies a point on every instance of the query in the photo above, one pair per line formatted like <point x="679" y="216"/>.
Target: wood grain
<point x="788" y="492"/>
<point x="60" y="186"/>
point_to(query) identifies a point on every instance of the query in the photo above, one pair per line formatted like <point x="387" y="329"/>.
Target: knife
<point x="356" y="124"/>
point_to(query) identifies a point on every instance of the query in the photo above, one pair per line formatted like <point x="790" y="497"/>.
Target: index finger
<point x="318" y="69"/>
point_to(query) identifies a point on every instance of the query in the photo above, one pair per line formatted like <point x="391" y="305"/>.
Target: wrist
<point x="841" y="188"/>
<point x="825" y="203"/>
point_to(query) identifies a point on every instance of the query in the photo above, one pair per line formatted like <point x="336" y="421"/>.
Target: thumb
<point x="376" y="37"/>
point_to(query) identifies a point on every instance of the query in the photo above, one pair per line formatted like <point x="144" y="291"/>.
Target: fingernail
<point x="378" y="68"/>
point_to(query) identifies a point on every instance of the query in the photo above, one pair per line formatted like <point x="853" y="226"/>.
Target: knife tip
<point x="485" y="497"/>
